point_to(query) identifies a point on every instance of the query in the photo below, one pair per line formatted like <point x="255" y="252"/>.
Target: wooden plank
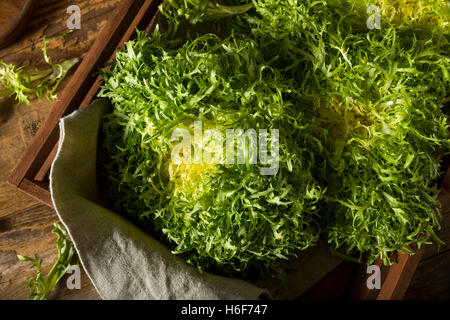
<point x="335" y="285"/>
<point x="431" y="280"/>
<point x="399" y="277"/>
<point x="73" y="95"/>
<point x="24" y="232"/>
<point x="50" y="18"/>
<point x="25" y="224"/>
<point x="37" y="191"/>
<point x="28" y="232"/>
<point x="19" y="123"/>
<point x="14" y="16"/>
<point x="359" y="289"/>
<point x="145" y="19"/>
<point x="44" y="170"/>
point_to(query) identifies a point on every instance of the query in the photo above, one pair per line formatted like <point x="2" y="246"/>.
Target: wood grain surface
<point x="13" y="17"/>
<point x="25" y="224"/>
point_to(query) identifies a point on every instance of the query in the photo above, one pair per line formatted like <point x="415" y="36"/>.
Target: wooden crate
<point x="347" y="281"/>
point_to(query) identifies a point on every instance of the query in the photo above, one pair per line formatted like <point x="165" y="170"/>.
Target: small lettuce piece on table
<point x="40" y="287"/>
<point x="26" y="82"/>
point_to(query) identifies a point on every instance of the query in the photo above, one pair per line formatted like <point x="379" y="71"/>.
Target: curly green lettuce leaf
<point x="217" y="216"/>
<point x="24" y="83"/>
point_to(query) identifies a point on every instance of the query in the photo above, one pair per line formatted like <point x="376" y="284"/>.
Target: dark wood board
<point x="25" y="224"/>
<point x="13" y="18"/>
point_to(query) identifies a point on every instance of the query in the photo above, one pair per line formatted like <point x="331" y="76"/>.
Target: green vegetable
<point x="41" y="287"/>
<point x="410" y="12"/>
<point x="229" y="217"/>
<point x="23" y="83"/>
<point x="202" y="10"/>
<point x="362" y="132"/>
<point x="376" y="100"/>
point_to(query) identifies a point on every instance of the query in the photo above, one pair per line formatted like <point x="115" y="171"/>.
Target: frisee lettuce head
<point x="217" y="215"/>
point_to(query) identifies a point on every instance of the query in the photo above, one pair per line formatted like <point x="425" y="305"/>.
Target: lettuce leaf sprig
<point x="23" y="83"/>
<point x="41" y="287"/>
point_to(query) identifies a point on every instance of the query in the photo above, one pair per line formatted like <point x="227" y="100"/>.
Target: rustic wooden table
<point x="25" y="224"/>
